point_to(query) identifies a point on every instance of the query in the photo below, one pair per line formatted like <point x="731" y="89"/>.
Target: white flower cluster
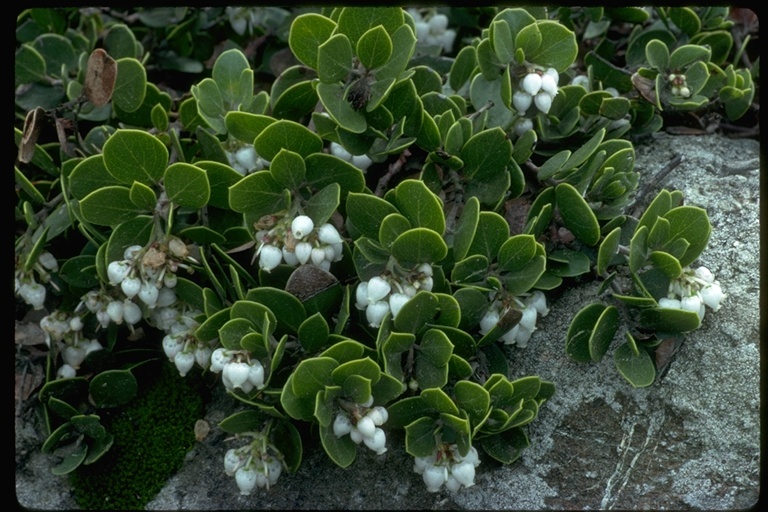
<point x="433" y="31"/>
<point x="535" y="304"/>
<point x="253" y="465"/>
<point x="679" y="85"/>
<point x="537" y="88"/>
<point x="180" y="344"/>
<point x="301" y="243"/>
<point x="693" y="290"/>
<point x="377" y="298"/>
<point x="237" y="369"/>
<point x="245" y="160"/>
<point x="27" y="287"/>
<point x="362" y="162"/>
<point x="363" y="423"/>
<point x="66" y="333"/>
<point x="447" y="466"/>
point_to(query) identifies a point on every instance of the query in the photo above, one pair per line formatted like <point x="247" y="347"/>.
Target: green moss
<point x="152" y="436"/>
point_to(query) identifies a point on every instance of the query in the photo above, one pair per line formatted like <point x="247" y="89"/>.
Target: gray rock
<point x="690" y="441"/>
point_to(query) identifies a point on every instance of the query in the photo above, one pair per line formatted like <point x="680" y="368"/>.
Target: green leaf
<point x="418" y="311"/>
<point x="109" y="206"/>
<point x="334" y="99"/>
<point x="143" y="196"/>
<point x="439" y="401"/>
<point x="516" y="252"/>
<point x="288" y="169"/>
<point x="560" y="49"/>
<point x="120" y="42"/>
<point x="591" y="332"/>
<point x="492" y="231"/>
<point x="420" y="437"/>
<point x="403" y="45"/>
<point x="320" y="206"/>
<point x="634" y="365"/>
<point x="463" y="66"/>
<point x="135" y="155"/>
<point x="234" y="77"/>
<point x="29" y="65"/>
<point x="474" y="399"/>
<point x="356" y="21"/>
<point x="657" y="54"/>
<point x="507" y="446"/>
<point x="130" y="85"/>
<point x="576" y="213"/>
<point x="308" y="32"/>
<point x="257" y="194"/>
<point x="692" y="224"/>
<point x="435" y="347"/>
<point x="502" y="41"/>
<point x="669" y="320"/>
<point x="187" y="185"/>
<point x="284" y="134"/>
<point x="287" y="309"/>
<point x="420" y="205"/>
<point x="486" y="154"/>
<point x="568" y="263"/>
<point x="312" y="375"/>
<point x="313" y="333"/>
<point x="667" y="263"/>
<point x="608" y="249"/>
<point x="341" y="450"/>
<point x="323" y="170"/>
<point x="367" y="212"/>
<point x="687" y="54"/>
<point x="392" y="226"/>
<point x="374" y="48"/>
<point x="419" y="245"/>
<point x="471" y="269"/>
<point x="334" y="59"/>
<point x="71" y="461"/>
<point x="245" y="126"/>
<point x="112" y="388"/>
<point x="220" y="178"/>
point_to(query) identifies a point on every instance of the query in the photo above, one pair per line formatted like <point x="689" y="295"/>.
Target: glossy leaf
<point x="187" y="185"/>
<point x="257" y="194"/>
<point x="134" y="155"/>
<point x="334" y="59"/>
<point x="284" y="134"/>
<point x="109" y="206"/>
<point x="374" y="47"/>
<point x="130" y="86"/>
<point x="577" y="215"/>
<point x="112" y="388"/>
<point x="417" y="312"/>
<point x="634" y="364"/>
<point x="308" y="32"/>
<point x="420" y="205"/>
<point x="419" y="245"/>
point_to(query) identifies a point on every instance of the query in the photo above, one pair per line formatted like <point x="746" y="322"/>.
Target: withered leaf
<point x="100" y="78"/>
<point x="32" y="126"/>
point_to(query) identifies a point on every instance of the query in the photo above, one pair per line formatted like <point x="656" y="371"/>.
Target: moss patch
<point x="153" y="434"/>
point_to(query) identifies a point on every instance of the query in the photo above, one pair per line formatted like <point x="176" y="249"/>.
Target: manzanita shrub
<point x="345" y="214"/>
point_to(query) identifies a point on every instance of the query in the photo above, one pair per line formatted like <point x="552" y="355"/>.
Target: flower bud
<point x="165" y="297"/>
<point x="33" y="294"/>
<point x="522" y="125"/>
<point x="489" y="321"/>
<point x="73" y="355"/>
<point x="452" y="484"/>
<point x="528" y="321"/>
<point x="339" y="151"/>
<point x="148" y="294"/>
<point x="270" y="257"/>
<point x="246" y="156"/>
<point x="290" y="257"/>
<point x="362" y="162"/>
<point x="522" y="101"/>
<point x="532" y="83"/>
<point x="685" y="92"/>
<point x="171" y="346"/>
<point x="317" y="255"/>
<point x="256" y="374"/>
<point x="539" y="302"/>
<point x="170" y="280"/>
<point x="704" y="274"/>
<point x="379" y="415"/>
<point x="302" y="226"/>
<point x="712" y="295"/>
<point x="131" y="252"/>
<point x="438" y="23"/>
<point x="231" y="461"/>
<point x="219" y="358"/>
<point x="665" y="302"/>
<point x="274" y="470"/>
<point x="115" y="311"/>
<point x="543" y="101"/>
<point x="131" y="312"/>
<point x="510" y="336"/>
<point x="361" y="295"/>
<point x="203" y="356"/>
<point x="66" y="371"/>
<point x="355" y="435"/>
<point x="553" y="73"/>
<point x="464" y="472"/>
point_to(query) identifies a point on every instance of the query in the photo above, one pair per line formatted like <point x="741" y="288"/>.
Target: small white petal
<point x="532" y="83"/>
<point x="396" y="302"/>
<point x="341" y="425"/>
<point x="375" y="313"/>
<point x="464" y="472"/>
<point x="130" y="286"/>
<point x="219" y="358"/>
<point x="236" y="373"/>
<point x="256" y="374"/>
<point x="303" y="252"/>
<point x="301" y="226"/>
<point x="131" y="312"/>
<point x="377" y="442"/>
<point x="317" y="255"/>
<point x="366" y="426"/>
<point x="378" y="288"/>
<point x="270" y="257"/>
<point x="543" y="101"/>
<point x="522" y="101"/>
<point x="435" y="477"/>
<point x="148" y="294"/>
<point x="115" y="312"/>
<point x="712" y="295"/>
<point x="117" y="271"/>
<point x="246" y="480"/>
<point x="328" y="234"/>
<point x="184" y="362"/>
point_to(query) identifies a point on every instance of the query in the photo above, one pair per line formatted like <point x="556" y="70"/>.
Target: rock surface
<point x="690" y="441"/>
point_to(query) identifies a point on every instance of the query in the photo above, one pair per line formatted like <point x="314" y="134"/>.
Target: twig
<point x="654" y="182"/>
<point x="393" y="169"/>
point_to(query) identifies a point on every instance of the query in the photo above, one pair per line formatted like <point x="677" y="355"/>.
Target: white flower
<point x="704" y="274"/>
<point x="522" y="125"/>
<point x="375" y="313"/>
<point x="464" y="472"/>
<point x="528" y="321"/>
<point x="694" y="304"/>
<point x="489" y="321"/>
<point x="378" y="288"/>
<point x="236" y="373"/>
<point x="130" y="286"/>
<point x="543" y="101"/>
<point x="219" y="358"/>
<point x="73" y="355"/>
<point x="435" y="477"/>
<point x="231" y="461"/>
<point x="552" y="72"/>
<point x="510" y="336"/>
<point x="427" y="283"/>
<point x="302" y="226"/>
<point x="447" y="39"/>
<point x="396" y="302"/>
<point x="665" y="302"/>
<point x="522" y="101"/>
<point x="712" y="295"/>
<point x="582" y="80"/>
<point x="539" y="302"/>
<point x="366" y="426"/>
<point x="184" y="362"/>
<point x="270" y="257"/>
<point x="341" y="425"/>
<point x="377" y="442"/>
<point x="532" y="83"/>
<point x="303" y="252"/>
<point x="548" y="84"/>
<point x="274" y="469"/>
<point x="165" y="297"/>
<point x="131" y="252"/>
<point x="438" y="23"/>
<point x="356" y="435"/>
<point x="362" y="162"/>
<point x="115" y="311"/>
<point x="203" y="356"/>
<point x="246" y="479"/>
<point x="117" y="271"/>
<point x="361" y="295"/>
<point x="452" y="484"/>
<point x="328" y="234"/>
<point x="256" y="374"/>
<point x="148" y="294"/>
<point x="379" y="415"/>
<point x="685" y="92"/>
<point x="290" y="257"/>
<point x="426" y="269"/>
<point x="339" y="151"/>
<point x="170" y="280"/>
<point x="92" y="346"/>
<point x="317" y="255"/>
<point x="131" y="312"/>
<point x="246" y="156"/>
<point x="33" y="294"/>
<point x="66" y="371"/>
<point x="171" y="346"/>
<point x="47" y="260"/>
